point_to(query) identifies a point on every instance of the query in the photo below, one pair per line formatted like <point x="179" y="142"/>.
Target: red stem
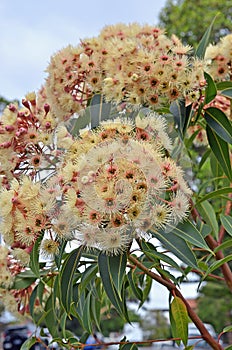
<point x="173" y="289"/>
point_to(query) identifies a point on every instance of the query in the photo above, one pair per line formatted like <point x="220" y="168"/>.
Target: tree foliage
<point x="188" y="19"/>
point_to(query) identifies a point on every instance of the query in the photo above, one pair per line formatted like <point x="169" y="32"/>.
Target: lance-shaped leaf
<point x="180" y="316"/>
<point x="226" y="221"/>
<point x="51" y="317"/>
<point x="151" y="251"/>
<point x="177" y="246"/>
<point x="99" y="110"/>
<point x="34" y="257"/>
<point x="221" y="151"/>
<point x="133" y="282"/>
<point x="117" y="267"/>
<point x="80" y="122"/>
<point x="208" y="214"/>
<point x="128" y="346"/>
<point x="222" y="85"/>
<point x="67" y="277"/>
<point x="218" y="121"/>
<point x="32" y="301"/>
<point x="28" y="343"/>
<point x="225" y="245"/>
<point x="88" y="275"/>
<point x="216" y="265"/>
<point x="111" y="282"/>
<point x="96" y="311"/>
<point x="211" y="90"/>
<point x="227" y="93"/>
<point x="200" y="51"/>
<point x="221" y="192"/>
<point x="23" y="280"/>
<point x="189" y="232"/>
<point x="87" y="321"/>
<point x="181" y="115"/>
<point x="204" y="229"/>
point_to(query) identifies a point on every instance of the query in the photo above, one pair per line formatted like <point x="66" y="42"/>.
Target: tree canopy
<point x="189" y="19"/>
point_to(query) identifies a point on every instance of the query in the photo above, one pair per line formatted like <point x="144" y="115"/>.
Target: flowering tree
<point x="100" y="181"/>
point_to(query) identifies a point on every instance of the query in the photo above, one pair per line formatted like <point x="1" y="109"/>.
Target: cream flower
<point x="121" y="184"/>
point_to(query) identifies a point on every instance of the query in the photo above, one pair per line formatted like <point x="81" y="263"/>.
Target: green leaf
<point x="105" y="269"/>
<point x="133" y="282"/>
<point x="225" y="87"/>
<point x="204" y="158"/>
<point x="99" y="110"/>
<point x="221" y="151"/>
<point x="227" y="92"/>
<point x="211" y="90"/>
<point x="34" y="257"/>
<point x="21" y="283"/>
<point x="227" y="329"/>
<point x="150" y="250"/>
<point x="117" y="268"/>
<point x="190" y="233"/>
<point x="208" y="214"/>
<point x="32" y="301"/>
<point x="51" y="317"/>
<point x="28" y="343"/>
<point x="203" y="228"/>
<point x="96" y="311"/>
<point x="177" y="246"/>
<point x="180" y="316"/>
<point x="225" y="245"/>
<point x="89" y="273"/>
<point x="213" y="194"/>
<point x="87" y="322"/>
<point x="222" y="85"/>
<point x="200" y="51"/>
<point x="67" y="277"/>
<point x="226" y="221"/>
<point x="60" y="255"/>
<point x="218" y="121"/>
<point x="215" y="168"/>
<point x="128" y="346"/>
<point x="181" y="115"/>
<point x="173" y="326"/>
<point x="146" y="288"/>
<point x="78" y="123"/>
<point x="217" y="264"/>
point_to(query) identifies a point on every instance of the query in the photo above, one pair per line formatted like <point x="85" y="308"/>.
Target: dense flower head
<point x="131" y="63"/>
<point x="219" y="59"/>
<point x="119" y="181"/>
<point x="26" y="139"/>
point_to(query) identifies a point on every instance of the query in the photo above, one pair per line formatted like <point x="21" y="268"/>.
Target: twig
<point x="173" y="289"/>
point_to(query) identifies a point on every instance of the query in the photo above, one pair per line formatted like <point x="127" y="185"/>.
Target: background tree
<point x="215" y="305"/>
<point x="189" y="19"/>
<point x="5" y="102"/>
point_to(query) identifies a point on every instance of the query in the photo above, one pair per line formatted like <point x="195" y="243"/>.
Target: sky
<point x="32" y="31"/>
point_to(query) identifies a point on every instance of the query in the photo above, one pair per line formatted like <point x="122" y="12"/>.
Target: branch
<point x="173" y="289"/>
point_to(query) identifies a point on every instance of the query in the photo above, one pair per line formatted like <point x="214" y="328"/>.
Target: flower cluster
<point x="10" y="268"/>
<point x="26" y="139"/>
<point x="111" y="184"/>
<point x="131" y="63"/>
<point x="118" y="182"/>
<point x="219" y="58"/>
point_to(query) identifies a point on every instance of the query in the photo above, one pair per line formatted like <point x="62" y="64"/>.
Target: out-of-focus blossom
<point x="136" y="64"/>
